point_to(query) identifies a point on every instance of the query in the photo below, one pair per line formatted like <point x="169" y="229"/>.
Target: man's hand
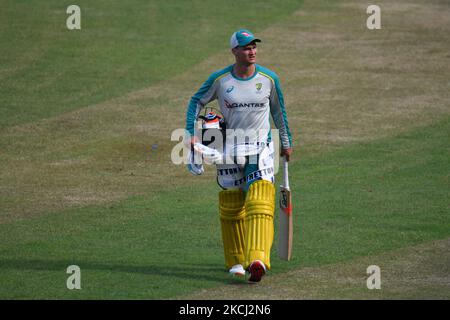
<point x="194" y="165"/>
<point x="286" y="153"/>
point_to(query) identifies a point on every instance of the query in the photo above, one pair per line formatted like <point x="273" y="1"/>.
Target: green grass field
<point x="85" y="171"/>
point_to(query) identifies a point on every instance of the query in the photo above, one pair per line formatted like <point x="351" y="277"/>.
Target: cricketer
<point x="247" y="95"/>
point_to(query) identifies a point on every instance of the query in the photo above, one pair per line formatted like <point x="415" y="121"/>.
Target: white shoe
<point x="237" y="270"/>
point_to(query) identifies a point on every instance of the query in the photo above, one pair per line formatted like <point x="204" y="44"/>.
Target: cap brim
<point x="252" y="40"/>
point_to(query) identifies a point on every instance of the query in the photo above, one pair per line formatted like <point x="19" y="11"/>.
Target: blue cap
<point x="242" y="38"/>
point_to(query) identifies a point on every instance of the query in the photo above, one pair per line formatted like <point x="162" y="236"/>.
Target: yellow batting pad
<point x="232" y="213"/>
<point x="259" y="207"/>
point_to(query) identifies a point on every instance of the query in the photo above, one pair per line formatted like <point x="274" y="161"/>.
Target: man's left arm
<point x="278" y="111"/>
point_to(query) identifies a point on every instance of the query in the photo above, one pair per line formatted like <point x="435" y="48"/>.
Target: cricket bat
<point x="285" y="233"/>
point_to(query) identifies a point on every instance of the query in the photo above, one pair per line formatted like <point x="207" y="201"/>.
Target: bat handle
<point x="286" y="172"/>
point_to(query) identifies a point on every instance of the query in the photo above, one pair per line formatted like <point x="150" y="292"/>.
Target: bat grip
<point x="286" y="173"/>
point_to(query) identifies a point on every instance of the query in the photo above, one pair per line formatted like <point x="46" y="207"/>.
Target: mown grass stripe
<point x="47" y="70"/>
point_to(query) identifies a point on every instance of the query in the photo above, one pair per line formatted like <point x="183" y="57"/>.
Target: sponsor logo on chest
<point x="232" y="105"/>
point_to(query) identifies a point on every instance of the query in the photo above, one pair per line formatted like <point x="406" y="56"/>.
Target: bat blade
<point x="285" y="234"/>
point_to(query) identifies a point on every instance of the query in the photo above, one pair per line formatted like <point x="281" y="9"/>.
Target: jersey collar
<point x="246" y="79"/>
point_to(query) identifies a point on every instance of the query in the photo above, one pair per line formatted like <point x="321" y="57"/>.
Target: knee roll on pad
<point x="232" y="214"/>
<point x="259" y="228"/>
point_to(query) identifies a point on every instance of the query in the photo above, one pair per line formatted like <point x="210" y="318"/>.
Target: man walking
<point x="247" y="94"/>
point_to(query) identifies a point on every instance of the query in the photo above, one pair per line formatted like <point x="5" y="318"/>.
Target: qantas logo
<point x="243" y="105"/>
<point x="246" y="34"/>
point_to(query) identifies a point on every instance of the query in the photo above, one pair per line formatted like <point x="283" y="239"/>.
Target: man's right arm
<point x="204" y="95"/>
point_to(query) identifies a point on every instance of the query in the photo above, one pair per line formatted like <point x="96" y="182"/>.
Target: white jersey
<point x="246" y="104"/>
